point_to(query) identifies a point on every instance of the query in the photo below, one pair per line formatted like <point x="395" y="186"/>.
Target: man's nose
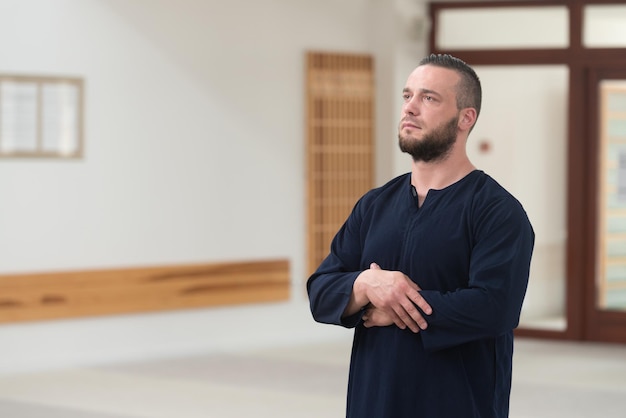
<point x="411" y="107"/>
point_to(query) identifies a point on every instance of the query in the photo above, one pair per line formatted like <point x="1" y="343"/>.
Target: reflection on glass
<point x="611" y="248"/>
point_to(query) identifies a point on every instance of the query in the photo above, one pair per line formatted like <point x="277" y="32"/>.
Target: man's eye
<point x="428" y="98"/>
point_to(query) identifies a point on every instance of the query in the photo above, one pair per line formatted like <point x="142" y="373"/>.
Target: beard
<point x="434" y="146"/>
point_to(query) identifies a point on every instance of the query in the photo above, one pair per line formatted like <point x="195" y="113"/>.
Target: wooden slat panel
<point x="104" y="292"/>
<point x="340" y="126"/>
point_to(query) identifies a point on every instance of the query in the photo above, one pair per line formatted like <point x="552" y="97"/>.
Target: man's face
<point x="428" y="126"/>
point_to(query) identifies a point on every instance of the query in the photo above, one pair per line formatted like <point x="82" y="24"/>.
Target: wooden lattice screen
<point x="340" y="138"/>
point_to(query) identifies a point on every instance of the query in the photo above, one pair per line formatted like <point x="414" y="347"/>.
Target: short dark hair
<point x="469" y="92"/>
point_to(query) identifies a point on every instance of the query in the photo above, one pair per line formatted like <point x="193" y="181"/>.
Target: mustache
<point x="410" y="119"/>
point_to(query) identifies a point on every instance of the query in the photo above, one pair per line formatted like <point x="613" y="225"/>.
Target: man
<point x="430" y="269"/>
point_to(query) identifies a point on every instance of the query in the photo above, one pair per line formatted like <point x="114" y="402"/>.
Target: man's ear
<point x="467" y="118"/>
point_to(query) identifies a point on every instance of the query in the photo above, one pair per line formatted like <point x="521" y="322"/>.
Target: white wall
<point x="194" y="152"/>
<point x="194" y="138"/>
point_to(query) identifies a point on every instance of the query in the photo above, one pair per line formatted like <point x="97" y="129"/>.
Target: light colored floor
<point x="551" y="380"/>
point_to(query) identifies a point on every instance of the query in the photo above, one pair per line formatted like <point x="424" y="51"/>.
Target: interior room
<point x="158" y="210"/>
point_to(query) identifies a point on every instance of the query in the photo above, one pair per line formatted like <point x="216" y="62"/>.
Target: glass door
<point x="520" y="139"/>
<point x="606" y="291"/>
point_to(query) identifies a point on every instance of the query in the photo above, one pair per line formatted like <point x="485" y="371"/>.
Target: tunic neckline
<point x="433" y="192"/>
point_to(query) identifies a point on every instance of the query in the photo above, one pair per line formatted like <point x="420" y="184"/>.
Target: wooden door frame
<point x="582" y="152"/>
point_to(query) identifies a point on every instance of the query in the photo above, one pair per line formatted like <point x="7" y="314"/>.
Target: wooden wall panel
<point x="27" y="297"/>
<point x="340" y="142"/>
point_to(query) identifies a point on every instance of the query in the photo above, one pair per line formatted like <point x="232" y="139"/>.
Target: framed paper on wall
<point x="41" y="116"/>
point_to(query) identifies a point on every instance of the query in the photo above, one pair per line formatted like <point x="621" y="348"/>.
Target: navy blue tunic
<point x="469" y="248"/>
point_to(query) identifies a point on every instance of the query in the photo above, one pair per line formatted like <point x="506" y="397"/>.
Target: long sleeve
<point x="490" y="304"/>
<point x="330" y="287"/>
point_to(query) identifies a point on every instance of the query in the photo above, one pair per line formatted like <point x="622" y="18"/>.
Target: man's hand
<point x="394" y="298"/>
<point x="376" y="317"/>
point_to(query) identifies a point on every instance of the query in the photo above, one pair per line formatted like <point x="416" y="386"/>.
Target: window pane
<point x="611" y="244"/>
<point x="604" y="26"/>
<point x="60" y="105"/>
<point x="18" y="113"/>
<point x="503" y="28"/>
